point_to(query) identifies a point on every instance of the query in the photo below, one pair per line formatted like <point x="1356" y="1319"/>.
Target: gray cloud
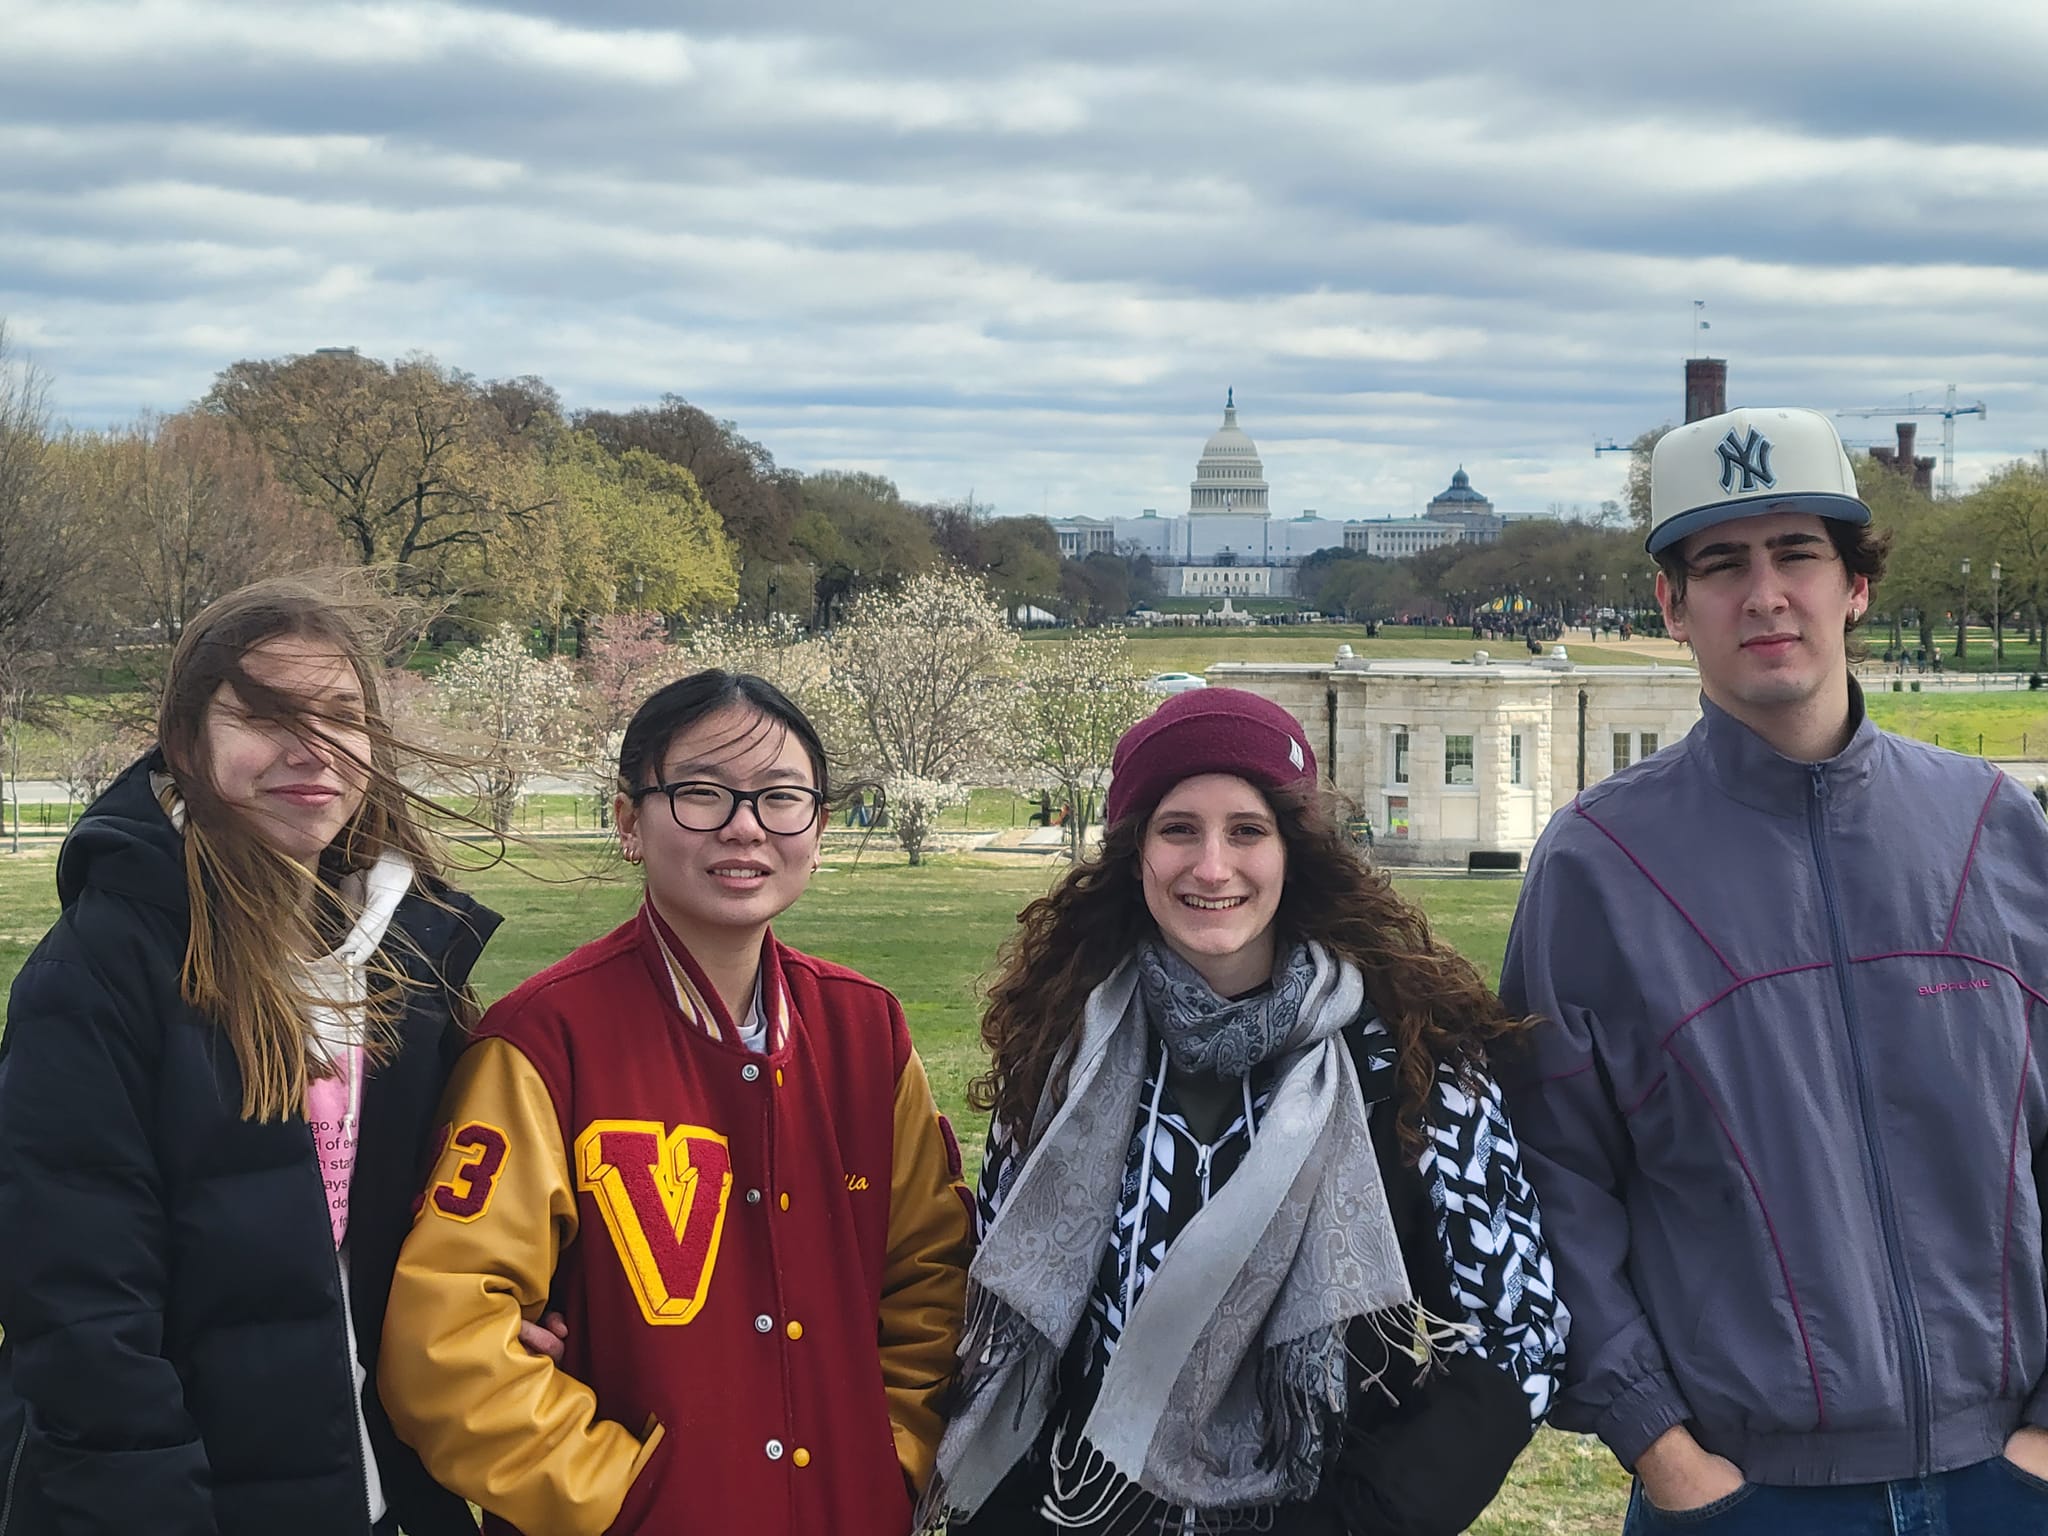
<point x="1025" y="253"/>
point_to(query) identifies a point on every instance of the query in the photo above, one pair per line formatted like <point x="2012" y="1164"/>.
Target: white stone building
<point x="1452" y="758"/>
<point x="1230" y="478"/>
<point x="1225" y="581"/>
<point x="1396" y="538"/>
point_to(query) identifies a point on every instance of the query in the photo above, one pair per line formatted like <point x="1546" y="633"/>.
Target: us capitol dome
<point x="1230" y="480"/>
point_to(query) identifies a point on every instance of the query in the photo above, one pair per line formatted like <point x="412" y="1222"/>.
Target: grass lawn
<point x="1193" y="650"/>
<point x="2009" y="724"/>
<point x="928" y="934"/>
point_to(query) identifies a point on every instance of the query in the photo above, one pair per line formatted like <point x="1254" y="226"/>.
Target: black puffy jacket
<point x="175" y="1359"/>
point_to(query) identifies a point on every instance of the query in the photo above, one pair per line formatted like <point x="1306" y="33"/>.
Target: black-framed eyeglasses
<point x="701" y="806"/>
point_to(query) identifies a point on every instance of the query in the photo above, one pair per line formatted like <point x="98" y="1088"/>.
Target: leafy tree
<point x="513" y="714"/>
<point x="624" y="530"/>
<point x="758" y="504"/>
<point x="1020" y="560"/>
<point x="859" y="537"/>
<point x="1922" y="584"/>
<point x="1077" y="700"/>
<point x="2012" y="510"/>
<point x="927" y="675"/>
<point x="1635" y="493"/>
<point x="415" y="466"/>
<point x="1096" y="589"/>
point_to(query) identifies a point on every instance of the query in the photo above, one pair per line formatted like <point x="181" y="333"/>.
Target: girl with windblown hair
<point x="1256" y="1248"/>
<point x="217" y="1085"/>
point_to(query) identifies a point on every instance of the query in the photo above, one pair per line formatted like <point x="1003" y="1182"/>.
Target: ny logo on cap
<point x="1751" y="458"/>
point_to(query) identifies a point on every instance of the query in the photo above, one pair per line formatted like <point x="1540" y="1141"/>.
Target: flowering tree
<point x="92" y="749"/>
<point x="1078" y="697"/>
<point x="914" y="806"/>
<point x="927" y="677"/>
<point x="780" y="652"/>
<point x="513" y="713"/>
<point x="627" y="658"/>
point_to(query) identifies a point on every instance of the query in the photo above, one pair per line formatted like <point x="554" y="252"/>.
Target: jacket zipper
<point x="348" y="1352"/>
<point x="1203" y="1152"/>
<point x="13" y="1472"/>
<point x="1919" y="1386"/>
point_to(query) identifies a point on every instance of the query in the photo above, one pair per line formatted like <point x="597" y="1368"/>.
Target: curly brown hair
<point x="1431" y="999"/>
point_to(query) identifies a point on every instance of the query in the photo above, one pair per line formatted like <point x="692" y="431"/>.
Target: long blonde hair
<point x="251" y="920"/>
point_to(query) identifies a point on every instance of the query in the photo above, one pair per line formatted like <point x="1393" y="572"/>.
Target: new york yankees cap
<point x="1745" y="463"/>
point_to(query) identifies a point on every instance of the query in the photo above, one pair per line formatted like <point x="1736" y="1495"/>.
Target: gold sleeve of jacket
<point x="503" y="1427"/>
<point x="924" y="1286"/>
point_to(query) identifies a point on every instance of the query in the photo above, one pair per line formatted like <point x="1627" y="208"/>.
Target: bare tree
<point x="41" y="548"/>
<point x="184" y="513"/>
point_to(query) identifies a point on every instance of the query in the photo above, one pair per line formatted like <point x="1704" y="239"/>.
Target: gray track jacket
<point x="1786" y="1115"/>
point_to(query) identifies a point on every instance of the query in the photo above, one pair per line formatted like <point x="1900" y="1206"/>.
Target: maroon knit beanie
<point x="1206" y="730"/>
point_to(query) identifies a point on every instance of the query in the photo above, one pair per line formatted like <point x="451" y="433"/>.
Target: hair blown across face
<point x="1431" y="999"/>
<point x="252" y="915"/>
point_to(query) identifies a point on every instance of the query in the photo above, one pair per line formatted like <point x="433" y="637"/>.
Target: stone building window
<point x="1632" y="747"/>
<point x="1515" y="759"/>
<point x="1458" y="761"/>
<point x="1401" y="755"/>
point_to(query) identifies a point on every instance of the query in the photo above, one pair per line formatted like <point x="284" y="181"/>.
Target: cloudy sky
<point x="1023" y="249"/>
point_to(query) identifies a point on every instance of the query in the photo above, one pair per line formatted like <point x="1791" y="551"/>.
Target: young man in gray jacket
<point x="1786" y="1109"/>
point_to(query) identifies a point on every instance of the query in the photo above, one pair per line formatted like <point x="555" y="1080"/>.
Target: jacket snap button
<point x="749" y="1072"/>
<point x="753" y="1197"/>
<point x="795" y="1330"/>
<point x="775" y="1450"/>
<point x="764" y="1323"/>
<point x="801" y="1457"/>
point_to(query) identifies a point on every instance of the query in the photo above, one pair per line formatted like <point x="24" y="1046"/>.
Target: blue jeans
<point x="1992" y="1498"/>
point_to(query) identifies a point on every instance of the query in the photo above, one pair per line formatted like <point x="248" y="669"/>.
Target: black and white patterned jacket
<point x="1430" y="1454"/>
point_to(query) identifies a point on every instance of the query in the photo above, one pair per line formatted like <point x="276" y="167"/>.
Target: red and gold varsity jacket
<point x="762" y="1258"/>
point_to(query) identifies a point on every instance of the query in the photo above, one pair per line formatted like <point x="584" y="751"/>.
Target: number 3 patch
<point x="466" y="1193"/>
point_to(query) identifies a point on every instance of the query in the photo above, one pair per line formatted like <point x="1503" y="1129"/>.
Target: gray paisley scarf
<point x="1232" y="1366"/>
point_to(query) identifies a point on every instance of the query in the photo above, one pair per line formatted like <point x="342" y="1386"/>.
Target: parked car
<point x="1174" y="682"/>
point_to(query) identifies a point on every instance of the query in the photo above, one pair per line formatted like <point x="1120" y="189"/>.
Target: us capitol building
<point x="1227" y="543"/>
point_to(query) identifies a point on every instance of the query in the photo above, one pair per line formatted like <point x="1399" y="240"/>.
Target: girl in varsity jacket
<point x="1256" y="1248"/>
<point x="719" y="1160"/>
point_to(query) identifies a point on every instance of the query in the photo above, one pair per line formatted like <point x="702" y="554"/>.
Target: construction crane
<point x="1610" y="446"/>
<point x="1948" y="414"/>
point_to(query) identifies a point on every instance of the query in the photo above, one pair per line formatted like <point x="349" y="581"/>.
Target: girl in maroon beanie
<point x="1256" y="1250"/>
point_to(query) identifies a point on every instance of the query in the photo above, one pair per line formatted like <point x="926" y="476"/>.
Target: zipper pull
<point x="1203" y="1152"/>
<point x="1820" y="783"/>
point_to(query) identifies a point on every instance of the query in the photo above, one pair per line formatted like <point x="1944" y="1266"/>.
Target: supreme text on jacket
<point x="1786" y="1111"/>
